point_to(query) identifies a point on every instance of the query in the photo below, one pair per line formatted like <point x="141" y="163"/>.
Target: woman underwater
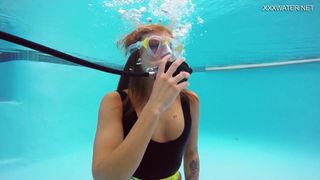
<point x="148" y="125"/>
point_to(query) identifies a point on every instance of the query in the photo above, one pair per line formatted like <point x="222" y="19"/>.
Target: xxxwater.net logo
<point x="288" y="8"/>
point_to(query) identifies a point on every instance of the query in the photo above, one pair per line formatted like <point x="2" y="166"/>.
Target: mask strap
<point x="133" y="47"/>
<point x="138" y="62"/>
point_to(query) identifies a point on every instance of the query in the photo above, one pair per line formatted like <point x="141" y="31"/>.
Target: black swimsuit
<point x="160" y="160"/>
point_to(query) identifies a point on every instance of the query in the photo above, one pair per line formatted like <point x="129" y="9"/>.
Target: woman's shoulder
<point x="112" y="98"/>
<point x="192" y="96"/>
<point x="194" y="105"/>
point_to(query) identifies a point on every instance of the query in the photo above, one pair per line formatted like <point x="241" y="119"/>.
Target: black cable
<point x="33" y="45"/>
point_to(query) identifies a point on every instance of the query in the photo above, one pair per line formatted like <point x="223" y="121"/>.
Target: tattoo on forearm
<point x="194" y="169"/>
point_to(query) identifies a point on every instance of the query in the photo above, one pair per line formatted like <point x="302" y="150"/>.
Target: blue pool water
<point x="259" y="123"/>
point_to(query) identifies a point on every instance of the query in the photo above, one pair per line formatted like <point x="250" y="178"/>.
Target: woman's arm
<point x="191" y="156"/>
<point x="113" y="156"/>
<point x="192" y="167"/>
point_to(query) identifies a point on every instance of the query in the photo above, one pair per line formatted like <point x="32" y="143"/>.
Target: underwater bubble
<point x="132" y="15"/>
<point x="182" y="30"/>
<point x="114" y="3"/>
<point x="107" y="4"/>
<point x="200" y="20"/>
<point x="122" y="11"/>
<point x="149" y="19"/>
<point x="175" y="14"/>
<point x="143" y="9"/>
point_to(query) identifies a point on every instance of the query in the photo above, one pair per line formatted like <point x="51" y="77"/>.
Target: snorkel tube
<point x="33" y="45"/>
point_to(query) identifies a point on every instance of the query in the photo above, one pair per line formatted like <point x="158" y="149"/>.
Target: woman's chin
<point x="154" y="62"/>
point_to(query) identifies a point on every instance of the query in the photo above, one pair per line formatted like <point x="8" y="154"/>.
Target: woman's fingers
<point x="182" y="85"/>
<point x="180" y="77"/>
<point x="166" y="87"/>
<point x="162" y="65"/>
<point x="173" y="67"/>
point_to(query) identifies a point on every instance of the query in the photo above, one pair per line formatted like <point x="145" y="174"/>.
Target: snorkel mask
<point x="158" y="47"/>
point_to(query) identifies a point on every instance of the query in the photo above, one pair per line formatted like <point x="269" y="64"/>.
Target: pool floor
<point x="220" y="159"/>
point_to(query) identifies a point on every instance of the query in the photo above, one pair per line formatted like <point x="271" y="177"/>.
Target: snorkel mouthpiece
<point x="183" y="67"/>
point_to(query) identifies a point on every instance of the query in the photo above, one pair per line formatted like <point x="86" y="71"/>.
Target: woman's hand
<point x="166" y="88"/>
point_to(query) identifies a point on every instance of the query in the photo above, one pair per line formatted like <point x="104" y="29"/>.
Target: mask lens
<point x="177" y="48"/>
<point x="154" y="45"/>
<point x="161" y="46"/>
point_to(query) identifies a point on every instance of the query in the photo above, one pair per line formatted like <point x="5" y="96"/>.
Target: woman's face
<point x="153" y="60"/>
